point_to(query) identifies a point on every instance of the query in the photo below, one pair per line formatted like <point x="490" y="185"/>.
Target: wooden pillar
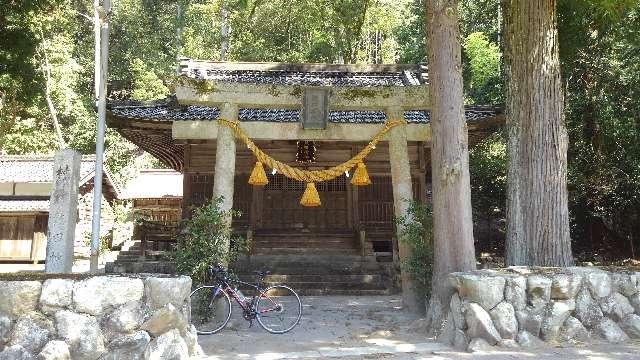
<point x="225" y="168"/>
<point x="402" y="195"/>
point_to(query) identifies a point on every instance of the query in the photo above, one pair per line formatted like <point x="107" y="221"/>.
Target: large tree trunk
<point x="537" y="210"/>
<point x="452" y="221"/>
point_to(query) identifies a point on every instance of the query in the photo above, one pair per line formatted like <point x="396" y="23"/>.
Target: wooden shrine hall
<point x="307" y="116"/>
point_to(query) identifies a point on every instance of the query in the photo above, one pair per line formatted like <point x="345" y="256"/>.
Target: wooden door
<point x="281" y="208"/>
<point x="16" y="237"/>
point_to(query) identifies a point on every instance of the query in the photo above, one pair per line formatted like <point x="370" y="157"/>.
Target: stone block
<point x="163" y="320"/>
<point x="455" y="306"/>
<point x="480" y="324"/>
<point x="587" y="309"/>
<point x="63" y="212"/>
<point x="16" y="352"/>
<point x="92" y="296"/>
<point x="504" y="319"/>
<point x="538" y="291"/>
<point x="19" y="297"/>
<point x="55" y="350"/>
<point x="169" y="290"/>
<point x="169" y="345"/>
<point x="479" y="345"/>
<point x="483" y="289"/>
<point x="56" y="295"/>
<point x="82" y="333"/>
<point x="128" y="347"/>
<point x="631" y="325"/>
<point x="573" y="331"/>
<point x="565" y="286"/>
<point x="32" y="332"/>
<point x="530" y="320"/>
<point x="515" y="292"/>
<point x="124" y="319"/>
<point x="555" y="316"/>
<point x="616" y="306"/>
<point x="597" y="281"/>
<point x="611" y="332"/>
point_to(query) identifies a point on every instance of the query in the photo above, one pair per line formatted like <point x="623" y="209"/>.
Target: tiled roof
<point x="305" y="74"/>
<point x="165" y="112"/>
<point x="24" y="205"/>
<point x="36" y="169"/>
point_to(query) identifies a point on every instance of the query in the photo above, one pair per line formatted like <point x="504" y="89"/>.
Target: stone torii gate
<point x="229" y="97"/>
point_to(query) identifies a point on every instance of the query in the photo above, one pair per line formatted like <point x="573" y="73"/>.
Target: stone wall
<point x="100" y="317"/>
<point x="526" y="307"/>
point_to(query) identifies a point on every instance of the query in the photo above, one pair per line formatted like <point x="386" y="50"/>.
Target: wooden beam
<point x="215" y="93"/>
<point x="258" y="130"/>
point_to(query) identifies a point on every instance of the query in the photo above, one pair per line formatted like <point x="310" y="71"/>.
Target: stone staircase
<point x="318" y="265"/>
<point x="313" y="274"/>
<point x="130" y="260"/>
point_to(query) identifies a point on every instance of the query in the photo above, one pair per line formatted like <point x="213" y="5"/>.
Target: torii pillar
<point x="402" y="196"/>
<point x="225" y="169"/>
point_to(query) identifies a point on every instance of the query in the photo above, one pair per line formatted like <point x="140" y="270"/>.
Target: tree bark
<point x="537" y="209"/>
<point x="46" y="69"/>
<point x="452" y="220"/>
<point x="225" y="30"/>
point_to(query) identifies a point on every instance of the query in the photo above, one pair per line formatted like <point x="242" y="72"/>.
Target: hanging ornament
<point x="360" y="176"/>
<point x="310" y="198"/>
<point x="258" y="176"/>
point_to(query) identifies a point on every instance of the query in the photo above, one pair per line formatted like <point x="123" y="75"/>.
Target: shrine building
<point x="309" y="119"/>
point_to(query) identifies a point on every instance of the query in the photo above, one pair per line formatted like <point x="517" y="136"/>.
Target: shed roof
<point x="39" y="169"/>
<point x="22" y="205"/>
<point x="154" y="184"/>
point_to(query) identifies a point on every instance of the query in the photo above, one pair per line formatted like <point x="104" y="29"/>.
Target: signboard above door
<point x="316" y="109"/>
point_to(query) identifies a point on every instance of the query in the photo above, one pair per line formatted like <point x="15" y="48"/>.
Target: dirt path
<point x="368" y="327"/>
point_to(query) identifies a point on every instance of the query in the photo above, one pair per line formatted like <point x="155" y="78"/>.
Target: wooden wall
<point x="23" y="237"/>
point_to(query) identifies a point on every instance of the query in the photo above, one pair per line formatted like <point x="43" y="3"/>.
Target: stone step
<point x="336" y="292"/>
<point x="298" y="250"/>
<point x="304" y="278"/>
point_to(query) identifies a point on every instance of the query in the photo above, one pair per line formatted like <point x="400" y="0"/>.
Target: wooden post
<point x="225" y="168"/>
<point x="402" y="196"/>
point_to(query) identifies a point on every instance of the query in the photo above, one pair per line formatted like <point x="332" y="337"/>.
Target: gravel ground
<point x="369" y="327"/>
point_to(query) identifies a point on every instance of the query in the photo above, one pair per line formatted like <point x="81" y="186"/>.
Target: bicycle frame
<point x="224" y="286"/>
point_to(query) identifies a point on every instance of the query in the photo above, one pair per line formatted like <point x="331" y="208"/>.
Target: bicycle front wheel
<point x="210" y="309"/>
<point x="278" y="309"/>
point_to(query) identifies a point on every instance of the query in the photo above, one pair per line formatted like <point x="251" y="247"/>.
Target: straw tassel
<point x="258" y="176"/>
<point x="310" y="197"/>
<point x="360" y="176"/>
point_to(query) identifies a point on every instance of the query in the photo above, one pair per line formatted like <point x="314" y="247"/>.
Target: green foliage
<point x="146" y="84"/>
<point x="484" y="83"/>
<point x="417" y="234"/>
<point x="204" y="242"/>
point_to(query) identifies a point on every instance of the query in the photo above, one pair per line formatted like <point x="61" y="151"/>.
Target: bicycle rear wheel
<point x="210" y="309"/>
<point x="278" y="309"/>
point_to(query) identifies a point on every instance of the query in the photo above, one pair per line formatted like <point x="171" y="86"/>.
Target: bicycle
<point x="277" y="308"/>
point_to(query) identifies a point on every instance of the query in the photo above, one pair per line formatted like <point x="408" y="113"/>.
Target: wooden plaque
<point x="316" y="108"/>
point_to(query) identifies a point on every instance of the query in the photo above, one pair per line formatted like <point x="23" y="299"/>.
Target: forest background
<point x="600" y="59"/>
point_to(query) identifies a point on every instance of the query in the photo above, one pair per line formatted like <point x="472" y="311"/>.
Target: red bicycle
<point x="277" y="308"/>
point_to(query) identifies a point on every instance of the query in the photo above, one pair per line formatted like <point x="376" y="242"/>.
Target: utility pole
<point x="101" y="28"/>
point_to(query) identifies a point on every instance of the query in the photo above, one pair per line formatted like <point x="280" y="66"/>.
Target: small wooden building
<point x="270" y="102"/>
<point x="25" y="187"/>
<point x="156" y="196"/>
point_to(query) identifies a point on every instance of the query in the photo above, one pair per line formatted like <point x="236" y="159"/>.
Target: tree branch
<point x="46" y="70"/>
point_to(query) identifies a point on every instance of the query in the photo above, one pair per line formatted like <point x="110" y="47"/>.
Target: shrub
<point x="417" y="234"/>
<point x="203" y="242"/>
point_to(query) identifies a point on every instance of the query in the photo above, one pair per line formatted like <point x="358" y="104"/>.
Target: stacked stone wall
<point x="100" y="317"/>
<point x="525" y="307"/>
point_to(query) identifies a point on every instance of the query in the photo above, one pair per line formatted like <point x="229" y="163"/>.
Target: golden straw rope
<point x="306" y="175"/>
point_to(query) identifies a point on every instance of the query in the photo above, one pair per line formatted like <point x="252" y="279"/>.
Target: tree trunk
<point x="537" y="209"/>
<point x="452" y="220"/>
<point x="225" y="30"/>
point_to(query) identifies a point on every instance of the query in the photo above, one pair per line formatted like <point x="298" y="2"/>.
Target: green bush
<point x="203" y="242"/>
<point x="417" y="234"/>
